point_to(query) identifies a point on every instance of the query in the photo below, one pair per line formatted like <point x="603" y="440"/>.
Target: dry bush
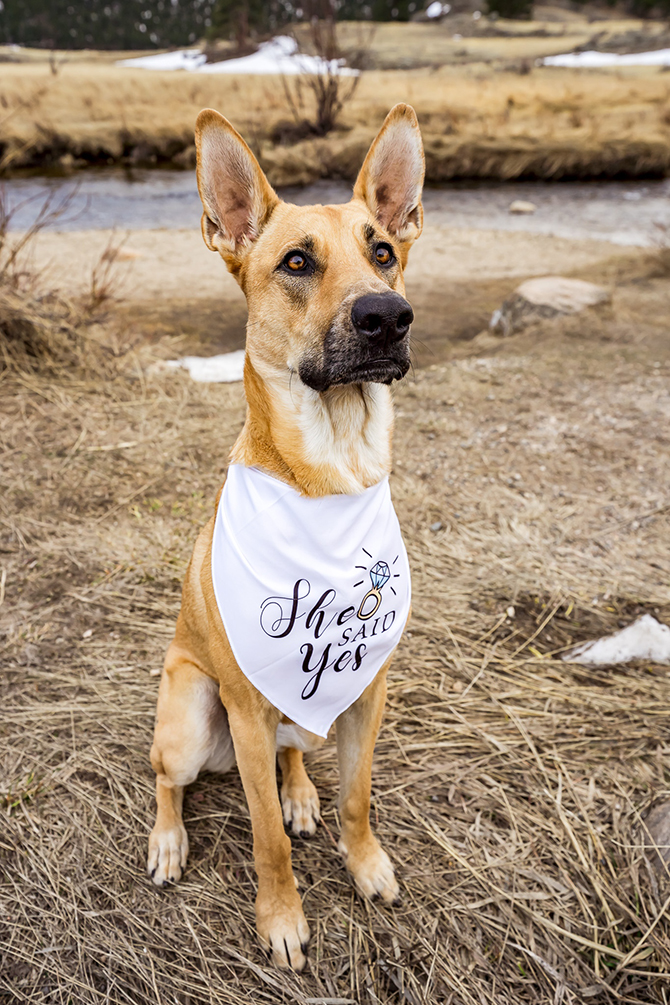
<point x="662" y="243"/>
<point x="47" y="332"/>
<point x="330" y="90"/>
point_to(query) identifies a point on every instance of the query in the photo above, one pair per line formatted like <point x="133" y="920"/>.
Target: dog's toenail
<point x="288" y="955"/>
<point x="303" y="946"/>
<point x="304" y="834"/>
<point x="397" y="902"/>
<point x="153" y="871"/>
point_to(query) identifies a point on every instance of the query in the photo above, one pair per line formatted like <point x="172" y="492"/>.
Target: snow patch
<point x="645" y="639"/>
<point x="437" y="9"/>
<point x="223" y="369"/>
<point x="279" y="55"/>
<point x="594" y="60"/>
<point x="181" y="59"/>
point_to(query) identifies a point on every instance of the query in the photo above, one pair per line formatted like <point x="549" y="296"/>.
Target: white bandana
<point x="313" y="593"/>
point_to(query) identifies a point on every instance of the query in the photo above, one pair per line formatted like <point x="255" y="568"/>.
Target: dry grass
<point x="509" y="787"/>
<point x="480" y="116"/>
<point x="42" y="330"/>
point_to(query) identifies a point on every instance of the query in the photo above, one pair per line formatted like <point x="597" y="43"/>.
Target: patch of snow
<point x="181" y="59"/>
<point x="594" y="60"/>
<point x="645" y="639"/>
<point x="279" y="55"/>
<point x="223" y="369"/>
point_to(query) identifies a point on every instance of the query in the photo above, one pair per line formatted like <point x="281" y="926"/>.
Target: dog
<point x="328" y="332"/>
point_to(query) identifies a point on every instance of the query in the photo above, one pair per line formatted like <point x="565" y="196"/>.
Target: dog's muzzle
<point x="375" y="347"/>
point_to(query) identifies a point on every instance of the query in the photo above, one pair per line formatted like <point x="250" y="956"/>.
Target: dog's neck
<point x="329" y="443"/>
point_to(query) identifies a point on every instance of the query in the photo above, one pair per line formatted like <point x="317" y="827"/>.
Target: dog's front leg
<point x="279" y="916"/>
<point x="357" y="730"/>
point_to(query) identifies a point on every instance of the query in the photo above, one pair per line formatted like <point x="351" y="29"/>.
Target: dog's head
<point x="324" y="284"/>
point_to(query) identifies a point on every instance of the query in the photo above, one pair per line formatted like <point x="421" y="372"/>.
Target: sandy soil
<point x="171" y="284"/>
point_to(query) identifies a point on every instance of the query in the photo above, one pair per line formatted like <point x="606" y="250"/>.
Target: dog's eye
<point x="384" y="255"/>
<point x="295" y="261"/>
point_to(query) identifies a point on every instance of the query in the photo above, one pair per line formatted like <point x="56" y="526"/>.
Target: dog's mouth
<point x="381" y="371"/>
<point x="339" y="368"/>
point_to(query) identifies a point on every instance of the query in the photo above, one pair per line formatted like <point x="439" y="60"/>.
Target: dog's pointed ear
<point x="237" y="197"/>
<point x="391" y="179"/>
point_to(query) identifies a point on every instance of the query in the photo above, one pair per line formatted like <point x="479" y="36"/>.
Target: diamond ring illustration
<point x="379" y="576"/>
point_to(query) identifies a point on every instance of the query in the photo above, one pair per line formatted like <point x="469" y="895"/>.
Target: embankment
<point x="478" y="120"/>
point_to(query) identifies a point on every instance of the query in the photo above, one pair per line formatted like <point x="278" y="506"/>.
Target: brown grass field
<point x="509" y="787"/>
<point x="486" y="109"/>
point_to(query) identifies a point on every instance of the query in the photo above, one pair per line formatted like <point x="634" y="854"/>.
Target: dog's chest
<point x="313" y="593"/>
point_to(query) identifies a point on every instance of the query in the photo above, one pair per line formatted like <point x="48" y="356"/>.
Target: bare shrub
<point x="330" y="89"/>
<point x="661" y="241"/>
<point x="104" y="285"/>
<point x="13" y="271"/>
<point x="46" y="332"/>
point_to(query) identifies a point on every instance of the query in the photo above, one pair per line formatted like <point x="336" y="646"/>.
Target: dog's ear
<point x="391" y="178"/>
<point x="237" y="197"/>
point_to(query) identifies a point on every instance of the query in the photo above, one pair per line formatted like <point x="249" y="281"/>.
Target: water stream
<point x="628" y="213"/>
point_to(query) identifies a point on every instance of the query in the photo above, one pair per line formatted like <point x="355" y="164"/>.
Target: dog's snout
<point x="382" y="317"/>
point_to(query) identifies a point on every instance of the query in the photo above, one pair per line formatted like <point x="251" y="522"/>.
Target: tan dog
<point x="328" y="331"/>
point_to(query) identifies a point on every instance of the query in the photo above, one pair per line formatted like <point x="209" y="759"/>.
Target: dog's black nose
<point x="382" y="317"/>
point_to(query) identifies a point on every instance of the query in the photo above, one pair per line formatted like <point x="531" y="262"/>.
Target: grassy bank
<point x="484" y="114"/>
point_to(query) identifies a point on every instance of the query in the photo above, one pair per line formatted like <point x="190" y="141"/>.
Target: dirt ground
<point x="171" y="285"/>
<point x="531" y="478"/>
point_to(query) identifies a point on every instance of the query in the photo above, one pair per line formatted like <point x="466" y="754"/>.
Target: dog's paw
<point x="371" y="870"/>
<point x="300" y="806"/>
<point x="284" y="933"/>
<point x="168" y="851"/>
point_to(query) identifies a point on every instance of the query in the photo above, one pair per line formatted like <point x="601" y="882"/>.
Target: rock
<point x="543" y="298"/>
<point x="656" y="836"/>
<point x="521" y="206"/>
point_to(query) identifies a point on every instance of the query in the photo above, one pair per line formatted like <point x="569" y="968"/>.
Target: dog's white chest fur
<point x="313" y="593"/>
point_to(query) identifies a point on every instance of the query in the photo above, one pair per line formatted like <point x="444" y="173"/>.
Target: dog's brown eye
<point x="298" y="263"/>
<point x="384" y="255"/>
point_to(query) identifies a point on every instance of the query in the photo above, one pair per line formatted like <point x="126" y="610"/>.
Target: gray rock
<point x="543" y="298"/>
<point x="521" y="206"/>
